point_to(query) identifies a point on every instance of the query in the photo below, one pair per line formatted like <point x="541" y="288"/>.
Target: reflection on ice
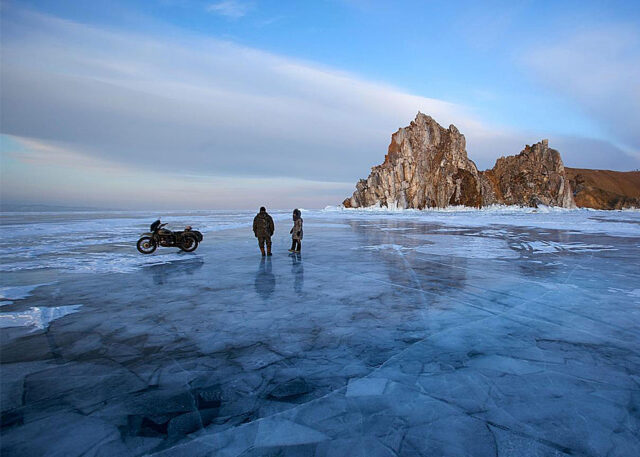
<point x="162" y="272"/>
<point x="37" y="317"/>
<point x="265" y="282"/>
<point x="297" y="270"/>
<point x="380" y="247"/>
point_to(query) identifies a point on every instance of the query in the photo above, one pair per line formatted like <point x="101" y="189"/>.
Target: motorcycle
<point x="187" y="239"/>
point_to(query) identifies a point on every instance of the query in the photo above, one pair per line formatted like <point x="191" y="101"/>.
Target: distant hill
<point x="605" y="189"/>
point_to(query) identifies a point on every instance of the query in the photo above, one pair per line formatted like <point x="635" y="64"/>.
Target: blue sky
<point x="127" y="104"/>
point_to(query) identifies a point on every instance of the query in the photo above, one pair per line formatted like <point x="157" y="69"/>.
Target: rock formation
<point x="427" y="166"/>
<point x="535" y="176"/>
<point x="605" y="189"/>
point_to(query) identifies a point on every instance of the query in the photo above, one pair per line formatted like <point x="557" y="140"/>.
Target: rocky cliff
<point x="605" y="189"/>
<point x="427" y="166"/>
<point x="533" y="177"/>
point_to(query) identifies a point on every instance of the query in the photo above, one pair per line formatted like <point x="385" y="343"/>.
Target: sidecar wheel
<point x="146" y="245"/>
<point x="189" y="244"/>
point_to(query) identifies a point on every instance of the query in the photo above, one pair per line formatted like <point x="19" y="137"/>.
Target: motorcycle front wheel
<point x="146" y="245"/>
<point x="189" y="244"/>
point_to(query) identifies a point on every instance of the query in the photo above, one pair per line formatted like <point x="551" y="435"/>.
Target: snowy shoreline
<point x="484" y="209"/>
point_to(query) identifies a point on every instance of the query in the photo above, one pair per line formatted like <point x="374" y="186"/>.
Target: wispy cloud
<point x="35" y="172"/>
<point x="41" y="154"/>
<point x="229" y="8"/>
<point x="225" y="108"/>
<point x="599" y="69"/>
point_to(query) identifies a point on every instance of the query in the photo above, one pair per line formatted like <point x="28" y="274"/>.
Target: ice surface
<point x="471" y="247"/>
<point x="365" y="386"/>
<point x="508" y="332"/>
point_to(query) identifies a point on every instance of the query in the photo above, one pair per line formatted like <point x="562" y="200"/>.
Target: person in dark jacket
<point x="263" y="230"/>
<point x="296" y="232"/>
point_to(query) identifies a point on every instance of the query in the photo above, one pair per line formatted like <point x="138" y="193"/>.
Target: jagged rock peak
<point x="535" y="176"/>
<point x="427" y="166"/>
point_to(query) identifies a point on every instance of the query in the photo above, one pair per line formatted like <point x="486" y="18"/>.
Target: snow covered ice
<point x="504" y="332"/>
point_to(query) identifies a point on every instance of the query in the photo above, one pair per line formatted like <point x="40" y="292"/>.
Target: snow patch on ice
<point x="396" y="229"/>
<point x="38" y="317"/>
<point x="448" y="229"/>
<point x="18" y="292"/>
<point x="97" y="262"/>
<point x="380" y="247"/>
<point x="553" y="247"/>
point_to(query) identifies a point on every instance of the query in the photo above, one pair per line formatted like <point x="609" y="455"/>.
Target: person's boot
<point x="262" y="250"/>
<point x="268" y="249"/>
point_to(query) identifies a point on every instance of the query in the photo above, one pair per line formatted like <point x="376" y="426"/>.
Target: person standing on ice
<point x="263" y="230"/>
<point x="296" y="232"/>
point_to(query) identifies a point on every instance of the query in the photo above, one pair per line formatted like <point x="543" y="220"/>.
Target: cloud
<point x="229" y="8"/>
<point x="599" y="69"/>
<point x="37" y="153"/>
<point x="36" y="172"/>
<point x="580" y="152"/>
<point x="196" y="104"/>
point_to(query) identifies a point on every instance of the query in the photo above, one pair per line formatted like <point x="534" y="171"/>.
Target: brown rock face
<point x="605" y="189"/>
<point x="427" y="166"/>
<point x="535" y="176"/>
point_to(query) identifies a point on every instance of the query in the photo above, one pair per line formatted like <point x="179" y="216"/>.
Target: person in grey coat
<point x="296" y="231"/>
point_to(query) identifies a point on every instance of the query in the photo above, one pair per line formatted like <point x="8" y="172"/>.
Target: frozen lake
<point x="459" y="333"/>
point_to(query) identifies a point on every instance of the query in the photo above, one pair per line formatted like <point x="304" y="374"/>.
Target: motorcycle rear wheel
<point x="189" y="244"/>
<point x="146" y="245"/>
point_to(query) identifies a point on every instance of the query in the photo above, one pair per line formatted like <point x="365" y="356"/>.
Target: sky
<point x="234" y="104"/>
